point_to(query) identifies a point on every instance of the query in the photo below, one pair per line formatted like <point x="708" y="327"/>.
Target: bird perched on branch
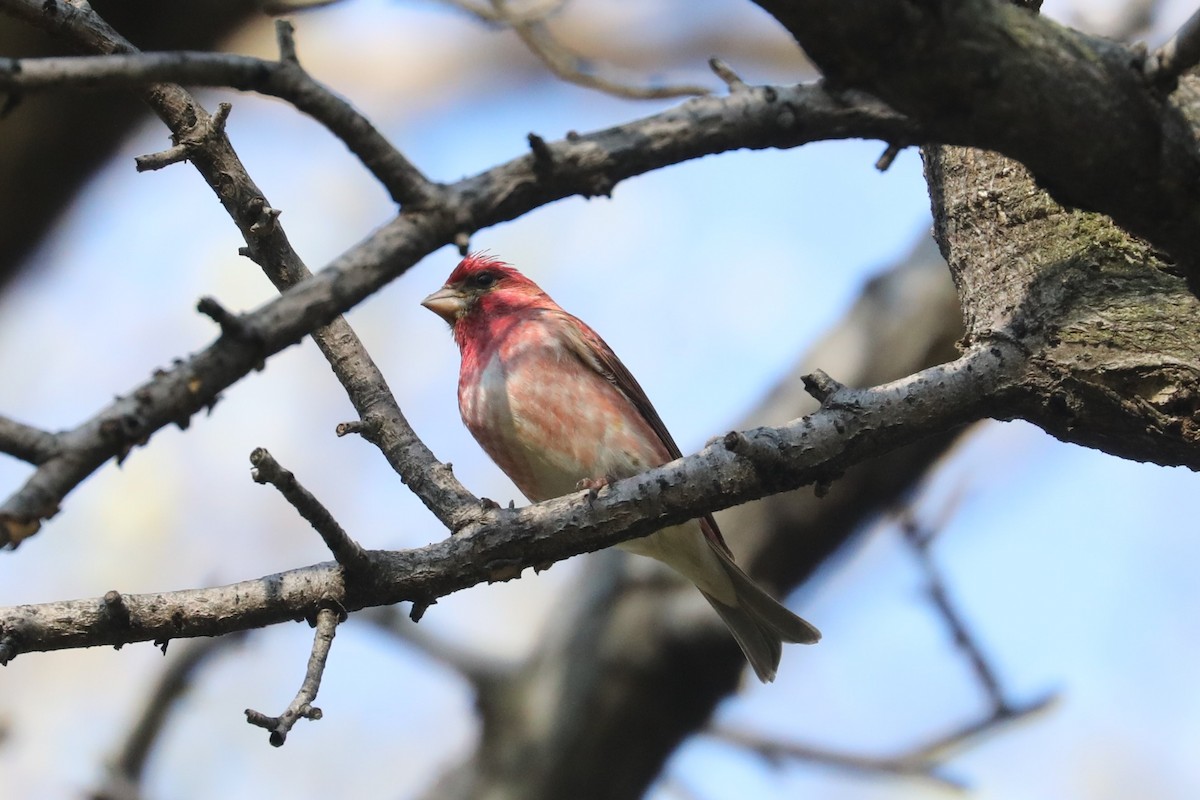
<point x="556" y="409"/>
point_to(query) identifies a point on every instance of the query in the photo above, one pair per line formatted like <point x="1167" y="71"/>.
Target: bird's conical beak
<point x="446" y="302"/>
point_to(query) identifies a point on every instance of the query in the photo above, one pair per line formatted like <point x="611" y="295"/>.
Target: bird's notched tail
<point x="759" y="623"/>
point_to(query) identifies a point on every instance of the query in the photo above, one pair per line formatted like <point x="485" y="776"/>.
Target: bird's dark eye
<point x="483" y="280"/>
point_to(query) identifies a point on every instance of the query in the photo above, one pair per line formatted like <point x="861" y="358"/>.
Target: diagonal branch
<point x="302" y="706"/>
<point x="346" y="551"/>
<point x="851" y="426"/>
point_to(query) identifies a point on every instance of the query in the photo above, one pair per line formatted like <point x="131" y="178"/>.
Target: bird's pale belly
<point x="549" y="435"/>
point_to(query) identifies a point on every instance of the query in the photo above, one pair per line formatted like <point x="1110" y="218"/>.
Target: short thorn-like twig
<point x="726" y="74"/>
<point x="543" y="156"/>
<point x="346" y="551"/>
<point x="346" y="428"/>
<point x="214" y="126"/>
<point x="285" y="38"/>
<point x="821" y="386"/>
<point x="301" y="706"/>
<point x="231" y="324"/>
<point x="888" y="157"/>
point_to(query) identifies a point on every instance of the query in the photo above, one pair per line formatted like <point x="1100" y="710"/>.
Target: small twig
<point x="775" y="752"/>
<point x="285" y="38"/>
<point x="346" y="551"/>
<point x="125" y="772"/>
<point x="923" y="761"/>
<point x="205" y="129"/>
<point x="301" y="706"/>
<point x="231" y="324"/>
<point x="543" y="156"/>
<point x="349" y="427"/>
<point x="726" y="73"/>
<point x="920" y="538"/>
<point x="942" y="747"/>
<point x="26" y="442"/>
<point x="887" y="157"/>
<point x="569" y="66"/>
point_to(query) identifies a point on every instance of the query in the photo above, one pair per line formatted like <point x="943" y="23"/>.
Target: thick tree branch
<point x="987" y="74"/>
<point x="1110" y="327"/>
<point x="745" y="466"/>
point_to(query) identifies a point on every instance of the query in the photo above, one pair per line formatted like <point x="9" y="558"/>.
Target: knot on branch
<point x="124" y="432"/>
<point x="543" y="156"/>
<point x="824" y="388"/>
<point x="116" y="609"/>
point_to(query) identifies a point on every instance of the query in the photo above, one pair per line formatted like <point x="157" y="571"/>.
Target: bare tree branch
<point x="853" y="424"/>
<point x="346" y="551"/>
<point x="776" y="752"/>
<point x="924" y="761"/>
<point x="302" y="706"/>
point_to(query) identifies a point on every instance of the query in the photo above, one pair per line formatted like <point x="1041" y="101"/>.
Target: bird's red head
<point x="483" y="286"/>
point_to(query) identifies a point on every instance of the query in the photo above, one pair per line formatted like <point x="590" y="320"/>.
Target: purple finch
<point x="555" y="408"/>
